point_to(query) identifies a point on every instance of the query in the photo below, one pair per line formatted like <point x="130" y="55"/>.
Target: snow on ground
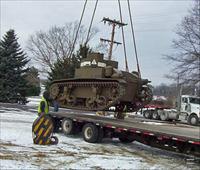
<point x="18" y="151"/>
<point x="33" y="101"/>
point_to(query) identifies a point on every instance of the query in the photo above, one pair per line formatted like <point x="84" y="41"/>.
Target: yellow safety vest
<point x="46" y="109"/>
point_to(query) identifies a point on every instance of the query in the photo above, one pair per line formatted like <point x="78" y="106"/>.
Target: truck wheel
<point x="164" y="116"/>
<point x="193" y="119"/>
<point x="68" y="127"/>
<point x="155" y="115"/>
<point x="147" y="114"/>
<point x="90" y="133"/>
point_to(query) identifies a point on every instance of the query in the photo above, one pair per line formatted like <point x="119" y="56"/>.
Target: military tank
<point x="99" y="85"/>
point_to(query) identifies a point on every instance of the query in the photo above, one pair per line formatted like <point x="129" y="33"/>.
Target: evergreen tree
<point x="64" y="69"/>
<point x="12" y="68"/>
<point x="33" y="81"/>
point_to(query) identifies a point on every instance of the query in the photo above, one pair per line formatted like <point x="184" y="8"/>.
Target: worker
<point x="43" y="107"/>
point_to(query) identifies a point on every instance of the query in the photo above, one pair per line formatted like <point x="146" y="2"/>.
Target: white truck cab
<point x="191" y="106"/>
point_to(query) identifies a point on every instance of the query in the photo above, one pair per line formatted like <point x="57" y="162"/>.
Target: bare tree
<point x="47" y="47"/>
<point x="102" y="48"/>
<point x="186" y="56"/>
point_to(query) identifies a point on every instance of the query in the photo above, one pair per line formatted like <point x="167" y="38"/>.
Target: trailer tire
<point x="147" y="114"/>
<point x="193" y="119"/>
<point x="57" y="125"/>
<point x="68" y="127"/>
<point x="155" y="115"/>
<point x="90" y="133"/>
<point x="101" y="135"/>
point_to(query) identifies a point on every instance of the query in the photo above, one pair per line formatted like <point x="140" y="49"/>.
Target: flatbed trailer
<point x="174" y="137"/>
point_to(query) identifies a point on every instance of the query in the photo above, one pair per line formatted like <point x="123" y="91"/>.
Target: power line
<point x="124" y="43"/>
<point x="87" y="39"/>
<point x="133" y="35"/>
<point x="76" y="36"/>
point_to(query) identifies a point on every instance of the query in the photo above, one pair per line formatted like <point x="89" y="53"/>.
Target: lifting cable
<point x="132" y="29"/>
<point x="79" y="25"/>
<point x="124" y="45"/>
<point x="88" y="34"/>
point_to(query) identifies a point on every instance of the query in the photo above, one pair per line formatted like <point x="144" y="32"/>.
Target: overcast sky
<point x="154" y="22"/>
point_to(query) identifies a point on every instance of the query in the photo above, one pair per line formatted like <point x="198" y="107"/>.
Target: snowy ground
<point x="18" y="151"/>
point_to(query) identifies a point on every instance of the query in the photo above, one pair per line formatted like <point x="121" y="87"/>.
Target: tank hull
<point x="95" y="94"/>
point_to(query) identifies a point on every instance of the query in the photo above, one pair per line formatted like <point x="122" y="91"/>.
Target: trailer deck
<point x="180" y="137"/>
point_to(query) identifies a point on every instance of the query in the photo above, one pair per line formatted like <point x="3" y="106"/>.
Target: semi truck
<point x="187" y="107"/>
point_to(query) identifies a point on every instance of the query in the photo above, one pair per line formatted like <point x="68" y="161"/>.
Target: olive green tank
<point x="98" y="85"/>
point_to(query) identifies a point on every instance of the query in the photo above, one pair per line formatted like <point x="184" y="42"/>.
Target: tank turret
<point x="94" y="66"/>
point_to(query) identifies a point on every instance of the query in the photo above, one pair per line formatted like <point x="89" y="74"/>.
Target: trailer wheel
<point x="193" y="119"/>
<point x="147" y="114"/>
<point x="90" y="133"/>
<point x="68" y="127"/>
<point x="57" y="125"/>
<point x="155" y="115"/>
<point x="100" y="135"/>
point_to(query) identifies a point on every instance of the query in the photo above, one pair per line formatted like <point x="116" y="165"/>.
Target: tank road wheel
<point x="90" y="103"/>
<point x="68" y="127"/>
<point x="90" y="133"/>
<point x="193" y="119"/>
<point x="54" y="91"/>
<point x="101" y="102"/>
<point x="71" y="100"/>
<point x="114" y="92"/>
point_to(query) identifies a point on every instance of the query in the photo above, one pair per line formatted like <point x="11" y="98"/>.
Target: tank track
<point x="62" y="91"/>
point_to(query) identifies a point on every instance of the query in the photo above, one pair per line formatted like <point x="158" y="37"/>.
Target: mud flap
<point x="42" y="130"/>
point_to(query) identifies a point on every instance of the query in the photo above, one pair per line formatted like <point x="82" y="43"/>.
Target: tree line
<point x="171" y="90"/>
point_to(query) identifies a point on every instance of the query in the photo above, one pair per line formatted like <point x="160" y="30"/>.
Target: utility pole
<point x="114" y="23"/>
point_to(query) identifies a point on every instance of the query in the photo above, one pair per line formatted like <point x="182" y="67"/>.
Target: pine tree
<point x="33" y="81"/>
<point x="65" y="68"/>
<point x="12" y="68"/>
